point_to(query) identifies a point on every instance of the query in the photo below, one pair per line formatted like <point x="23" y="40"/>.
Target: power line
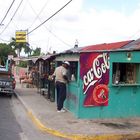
<point x="58" y="37"/>
<point x="7" y="12"/>
<point x="37" y="17"/>
<point x="134" y="34"/>
<point x="50" y="17"/>
<point x="12" y="17"/>
<point x="20" y="14"/>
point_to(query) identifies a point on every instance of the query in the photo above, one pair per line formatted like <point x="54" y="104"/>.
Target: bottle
<point x="72" y="77"/>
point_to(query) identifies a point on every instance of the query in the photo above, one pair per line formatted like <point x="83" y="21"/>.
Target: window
<point x="73" y="70"/>
<point x="126" y="73"/>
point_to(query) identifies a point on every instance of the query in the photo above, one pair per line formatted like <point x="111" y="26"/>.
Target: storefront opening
<point x="126" y="73"/>
<point x="73" y="70"/>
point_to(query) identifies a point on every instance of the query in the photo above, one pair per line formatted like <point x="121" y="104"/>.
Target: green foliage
<point x="20" y="46"/>
<point x="5" y="50"/>
<point x="23" y="64"/>
<point x="36" y="52"/>
<point x="9" y="49"/>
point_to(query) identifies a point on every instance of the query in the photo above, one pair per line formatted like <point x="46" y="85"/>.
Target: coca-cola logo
<point x="100" y="65"/>
<point x="100" y="94"/>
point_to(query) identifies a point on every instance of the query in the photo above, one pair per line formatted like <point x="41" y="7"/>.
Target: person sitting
<point x="28" y="79"/>
<point x="22" y="77"/>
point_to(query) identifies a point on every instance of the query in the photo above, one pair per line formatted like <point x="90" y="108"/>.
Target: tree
<point x="5" y="50"/>
<point x="20" y="46"/>
<point x="27" y="49"/>
<point x="36" y="52"/>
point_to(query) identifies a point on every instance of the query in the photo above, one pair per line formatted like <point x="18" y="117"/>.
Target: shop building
<point x="104" y="80"/>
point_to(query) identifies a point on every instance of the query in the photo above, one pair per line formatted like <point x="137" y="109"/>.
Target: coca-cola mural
<point x="94" y="71"/>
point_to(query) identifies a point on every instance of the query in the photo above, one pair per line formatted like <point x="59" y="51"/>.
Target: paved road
<point x="15" y="124"/>
<point x="30" y="131"/>
<point x="9" y="127"/>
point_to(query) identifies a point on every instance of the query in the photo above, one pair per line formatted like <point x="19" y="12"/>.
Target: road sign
<point x="21" y="36"/>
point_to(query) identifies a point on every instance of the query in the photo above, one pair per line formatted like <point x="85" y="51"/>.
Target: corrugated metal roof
<point x="106" y="46"/>
<point x="135" y="45"/>
<point x="34" y="59"/>
<point x="45" y="57"/>
<point x="115" y="46"/>
<point x="77" y="49"/>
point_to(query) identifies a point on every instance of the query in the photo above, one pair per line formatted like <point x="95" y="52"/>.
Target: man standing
<point x="61" y="79"/>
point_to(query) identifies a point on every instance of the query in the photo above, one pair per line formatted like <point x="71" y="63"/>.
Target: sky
<point x="86" y="22"/>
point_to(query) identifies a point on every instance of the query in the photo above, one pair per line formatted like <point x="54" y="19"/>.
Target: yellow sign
<point x="21" y="36"/>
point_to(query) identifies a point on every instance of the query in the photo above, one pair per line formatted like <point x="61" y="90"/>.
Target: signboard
<point x="94" y="72"/>
<point x="21" y="36"/>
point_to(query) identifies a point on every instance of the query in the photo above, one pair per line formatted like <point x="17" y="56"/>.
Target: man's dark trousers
<point x="61" y="94"/>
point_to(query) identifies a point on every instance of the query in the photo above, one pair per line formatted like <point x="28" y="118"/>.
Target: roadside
<point x="43" y="113"/>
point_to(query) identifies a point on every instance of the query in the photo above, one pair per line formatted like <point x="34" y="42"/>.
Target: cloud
<point x="89" y="26"/>
<point x="92" y="26"/>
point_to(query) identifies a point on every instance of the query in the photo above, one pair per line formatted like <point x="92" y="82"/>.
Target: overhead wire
<point x="21" y="14"/>
<point x="12" y="17"/>
<point x="37" y="17"/>
<point x="15" y="24"/>
<point x="7" y="12"/>
<point x="49" y="17"/>
<point x="134" y="34"/>
<point x="41" y="23"/>
<point x="58" y="38"/>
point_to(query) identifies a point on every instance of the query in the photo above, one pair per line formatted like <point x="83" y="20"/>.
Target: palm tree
<point x="20" y="46"/>
<point x="36" y="52"/>
<point x="27" y="49"/>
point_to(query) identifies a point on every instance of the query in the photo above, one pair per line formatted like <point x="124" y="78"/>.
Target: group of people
<point x="30" y="77"/>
